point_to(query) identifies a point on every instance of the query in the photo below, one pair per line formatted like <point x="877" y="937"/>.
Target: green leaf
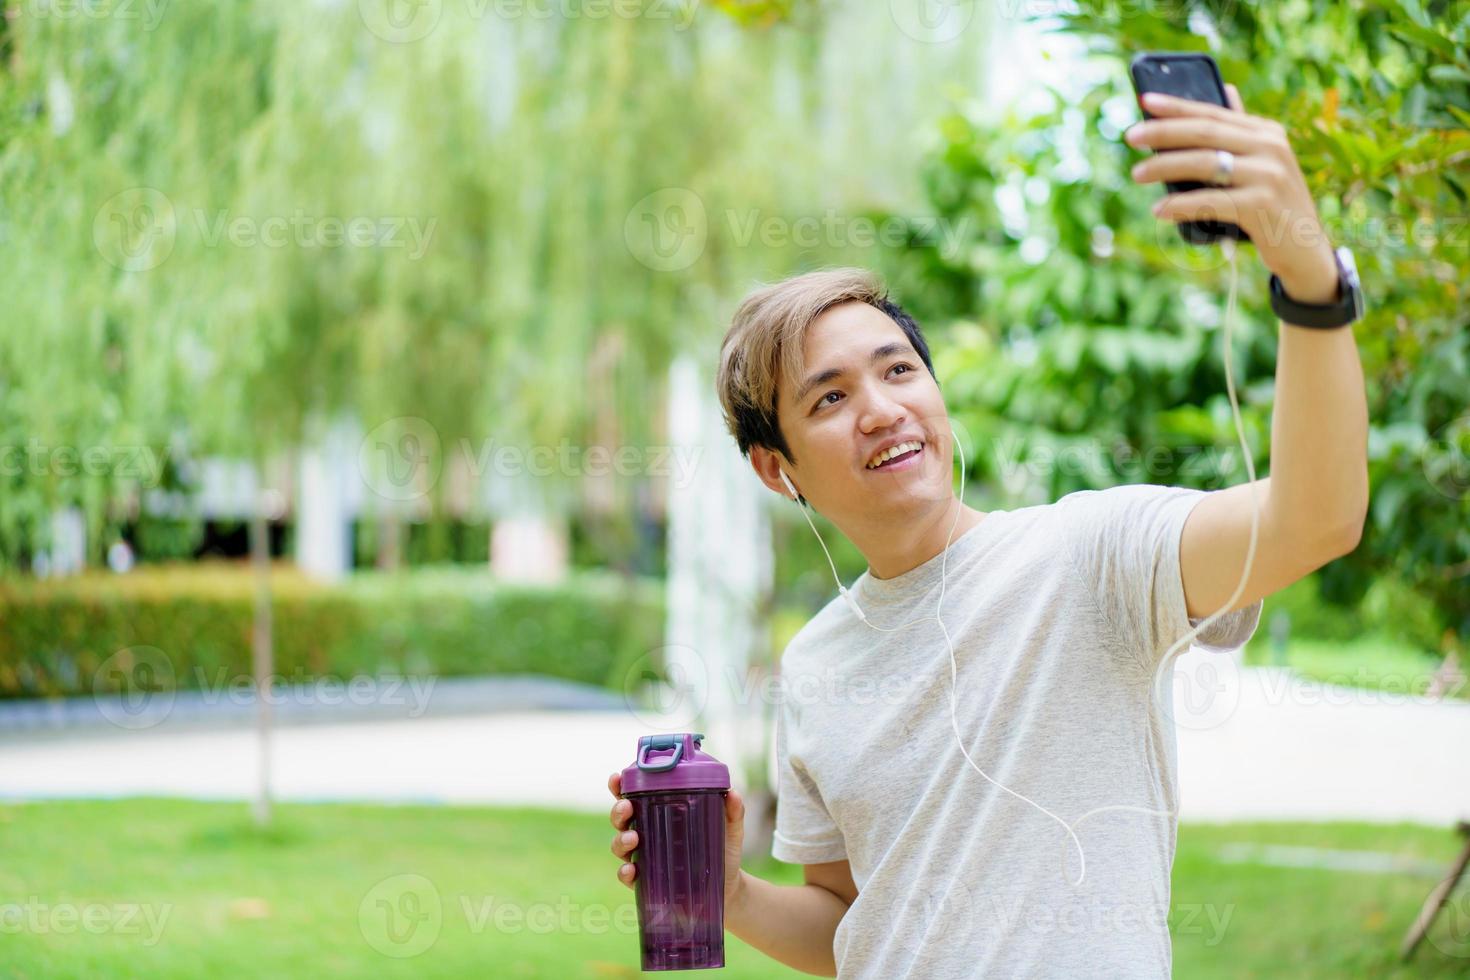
<point x="1385" y="504"/>
<point x="1449" y="73"/>
<point x="1423" y="36"/>
<point x="1415" y="10"/>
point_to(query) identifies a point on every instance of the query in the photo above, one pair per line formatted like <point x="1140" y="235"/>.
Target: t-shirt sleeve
<point x="1124" y="542"/>
<point x="805" y="832"/>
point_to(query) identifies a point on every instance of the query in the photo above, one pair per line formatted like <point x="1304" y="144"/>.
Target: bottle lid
<point x="673" y="763"/>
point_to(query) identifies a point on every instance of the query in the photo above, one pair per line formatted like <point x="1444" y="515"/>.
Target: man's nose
<point x="880" y="412"/>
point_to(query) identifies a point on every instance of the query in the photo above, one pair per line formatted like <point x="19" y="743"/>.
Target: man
<point x="1060" y="618"/>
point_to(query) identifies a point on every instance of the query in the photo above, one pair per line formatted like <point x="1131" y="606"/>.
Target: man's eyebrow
<point x="831" y="374"/>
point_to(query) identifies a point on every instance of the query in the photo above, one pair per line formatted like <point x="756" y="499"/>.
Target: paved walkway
<point x="1253" y="744"/>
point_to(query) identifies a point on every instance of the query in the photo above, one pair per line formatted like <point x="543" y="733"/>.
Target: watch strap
<point x="1342" y="311"/>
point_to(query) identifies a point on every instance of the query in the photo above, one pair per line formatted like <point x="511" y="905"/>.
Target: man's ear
<point x="768" y="465"/>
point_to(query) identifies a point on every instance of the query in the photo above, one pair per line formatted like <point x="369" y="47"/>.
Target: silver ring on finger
<point x="1224" y="168"/>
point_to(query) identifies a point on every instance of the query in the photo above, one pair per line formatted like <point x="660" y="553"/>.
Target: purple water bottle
<point x="678" y="795"/>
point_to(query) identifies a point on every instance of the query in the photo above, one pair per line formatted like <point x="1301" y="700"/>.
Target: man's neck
<point x="890" y="554"/>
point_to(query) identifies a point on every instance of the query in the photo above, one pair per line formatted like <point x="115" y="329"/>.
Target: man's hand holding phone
<point x="1267" y="195"/>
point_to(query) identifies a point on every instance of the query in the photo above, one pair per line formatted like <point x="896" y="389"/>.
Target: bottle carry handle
<point x="655" y="743"/>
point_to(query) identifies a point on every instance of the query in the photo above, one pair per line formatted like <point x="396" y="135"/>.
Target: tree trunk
<point x="262" y="656"/>
<point x="390" y="541"/>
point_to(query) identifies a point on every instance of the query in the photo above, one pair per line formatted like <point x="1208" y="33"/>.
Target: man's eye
<point x="905" y="367"/>
<point x="823" y="400"/>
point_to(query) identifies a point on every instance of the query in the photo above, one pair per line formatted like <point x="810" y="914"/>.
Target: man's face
<point x="865" y="389"/>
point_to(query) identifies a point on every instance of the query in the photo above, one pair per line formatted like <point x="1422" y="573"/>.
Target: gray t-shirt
<point x="1061" y="615"/>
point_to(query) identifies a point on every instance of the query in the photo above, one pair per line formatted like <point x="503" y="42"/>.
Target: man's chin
<point x="916" y="490"/>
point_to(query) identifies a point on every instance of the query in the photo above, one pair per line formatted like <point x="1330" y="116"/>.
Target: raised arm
<point x="1316" y="498"/>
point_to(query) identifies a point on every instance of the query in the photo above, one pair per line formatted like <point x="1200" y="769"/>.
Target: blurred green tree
<point x="553" y="207"/>
<point x="1084" y="333"/>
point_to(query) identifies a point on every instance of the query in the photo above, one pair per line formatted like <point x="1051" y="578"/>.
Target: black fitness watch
<point x="1347" y="307"/>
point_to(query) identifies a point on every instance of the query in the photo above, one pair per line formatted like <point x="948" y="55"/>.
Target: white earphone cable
<point x="1165" y="664"/>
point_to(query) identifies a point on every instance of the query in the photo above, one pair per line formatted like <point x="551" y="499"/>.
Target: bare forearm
<point x="794" y="924"/>
<point x="1319" y="433"/>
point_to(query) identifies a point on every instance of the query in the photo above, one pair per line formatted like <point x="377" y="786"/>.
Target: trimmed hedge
<point x="54" y="635"/>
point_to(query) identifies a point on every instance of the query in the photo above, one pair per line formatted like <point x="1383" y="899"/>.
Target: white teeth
<point x="893" y="451"/>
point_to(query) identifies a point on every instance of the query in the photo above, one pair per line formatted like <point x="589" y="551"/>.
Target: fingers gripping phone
<point x="1187" y="75"/>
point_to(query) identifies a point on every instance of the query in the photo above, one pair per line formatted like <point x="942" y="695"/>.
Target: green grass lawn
<point x="531" y="893"/>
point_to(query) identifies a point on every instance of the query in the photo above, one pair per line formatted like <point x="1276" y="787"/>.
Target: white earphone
<point x="1165" y="664"/>
<point x="852" y="603"/>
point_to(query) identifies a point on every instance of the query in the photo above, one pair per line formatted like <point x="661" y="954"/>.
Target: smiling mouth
<point x="895" y="456"/>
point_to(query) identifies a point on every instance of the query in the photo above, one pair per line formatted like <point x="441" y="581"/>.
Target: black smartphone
<point x="1188" y="75"/>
